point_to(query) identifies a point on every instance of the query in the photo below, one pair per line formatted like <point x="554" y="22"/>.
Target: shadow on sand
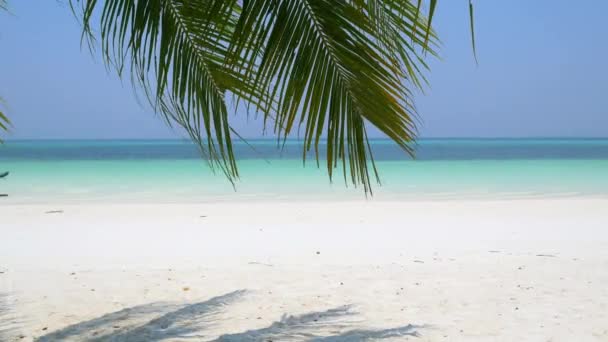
<point x="326" y="326"/>
<point x="162" y="321"/>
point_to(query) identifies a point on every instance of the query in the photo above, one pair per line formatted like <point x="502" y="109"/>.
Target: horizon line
<point x="6" y="140"/>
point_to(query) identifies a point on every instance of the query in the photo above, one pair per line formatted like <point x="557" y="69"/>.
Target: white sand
<point x="518" y="270"/>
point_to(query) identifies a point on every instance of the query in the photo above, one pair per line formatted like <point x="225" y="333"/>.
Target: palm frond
<point x="472" y="23"/>
<point x="329" y="68"/>
<point x="4" y="121"/>
<point x="175" y="50"/>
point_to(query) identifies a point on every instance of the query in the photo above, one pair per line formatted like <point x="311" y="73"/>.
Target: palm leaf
<point x="175" y="50"/>
<point x="319" y="67"/>
<point x="4" y="123"/>
<point x="327" y="65"/>
<point x="472" y="22"/>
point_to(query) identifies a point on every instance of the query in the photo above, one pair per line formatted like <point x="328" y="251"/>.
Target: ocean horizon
<point x="47" y="171"/>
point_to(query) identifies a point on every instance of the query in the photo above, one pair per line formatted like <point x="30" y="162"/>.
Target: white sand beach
<point x="453" y="270"/>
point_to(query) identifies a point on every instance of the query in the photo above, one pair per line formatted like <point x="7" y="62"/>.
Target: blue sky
<point x="542" y="72"/>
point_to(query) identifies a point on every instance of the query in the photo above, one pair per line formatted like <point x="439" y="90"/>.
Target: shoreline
<point x="382" y="197"/>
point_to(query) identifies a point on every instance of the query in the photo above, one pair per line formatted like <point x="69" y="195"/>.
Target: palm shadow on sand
<point x="163" y="321"/>
<point x="332" y="325"/>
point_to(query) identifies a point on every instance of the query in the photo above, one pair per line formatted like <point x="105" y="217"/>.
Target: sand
<point x="452" y="270"/>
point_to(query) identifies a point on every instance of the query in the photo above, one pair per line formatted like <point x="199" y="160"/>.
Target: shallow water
<point x="172" y="171"/>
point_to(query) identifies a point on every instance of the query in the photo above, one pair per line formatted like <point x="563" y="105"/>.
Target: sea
<point x="173" y="171"/>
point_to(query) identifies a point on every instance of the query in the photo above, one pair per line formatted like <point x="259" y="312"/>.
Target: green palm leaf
<point x="330" y="70"/>
<point x="319" y="67"/>
<point x="4" y="121"/>
<point x="176" y="50"/>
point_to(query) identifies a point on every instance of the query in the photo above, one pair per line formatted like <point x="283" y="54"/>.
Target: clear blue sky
<point x="542" y="72"/>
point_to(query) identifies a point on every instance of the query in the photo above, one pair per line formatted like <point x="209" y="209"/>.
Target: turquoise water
<point x="172" y="171"/>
